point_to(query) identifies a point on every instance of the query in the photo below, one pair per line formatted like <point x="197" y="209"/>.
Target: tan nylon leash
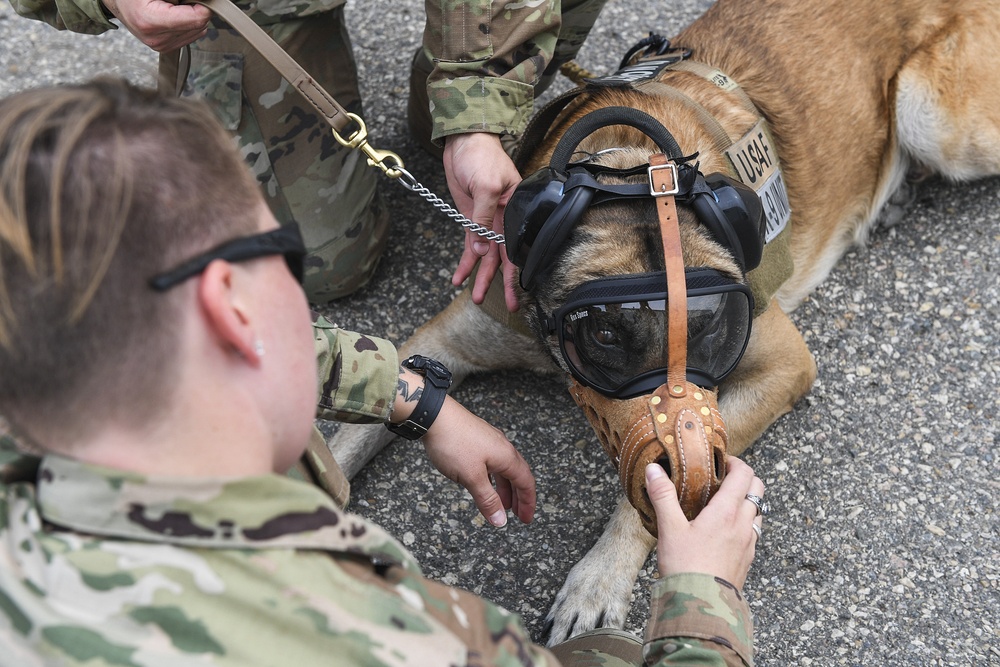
<point x="333" y="113"/>
<point x="322" y="101"/>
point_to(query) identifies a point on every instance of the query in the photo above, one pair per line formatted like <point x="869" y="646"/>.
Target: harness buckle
<point x="659" y="184"/>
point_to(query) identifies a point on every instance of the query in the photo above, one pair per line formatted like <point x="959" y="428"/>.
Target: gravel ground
<point x="882" y="544"/>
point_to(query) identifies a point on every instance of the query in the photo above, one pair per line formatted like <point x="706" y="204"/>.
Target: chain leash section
<point x="392" y="166"/>
<point x="411" y="184"/>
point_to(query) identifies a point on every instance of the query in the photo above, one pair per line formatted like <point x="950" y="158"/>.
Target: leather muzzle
<point x="684" y="434"/>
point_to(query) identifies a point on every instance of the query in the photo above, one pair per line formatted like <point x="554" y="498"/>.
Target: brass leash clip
<point x="376" y="158"/>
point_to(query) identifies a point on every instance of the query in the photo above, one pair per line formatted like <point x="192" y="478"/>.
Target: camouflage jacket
<point x="99" y="566"/>
<point x="488" y="57"/>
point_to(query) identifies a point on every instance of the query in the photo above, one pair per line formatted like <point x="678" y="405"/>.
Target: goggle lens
<point x="619" y="346"/>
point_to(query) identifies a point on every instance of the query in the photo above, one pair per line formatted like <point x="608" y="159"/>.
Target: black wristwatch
<point x="437" y="379"/>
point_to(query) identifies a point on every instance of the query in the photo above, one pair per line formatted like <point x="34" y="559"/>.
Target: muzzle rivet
<point x="705" y="411"/>
<point x="698" y="396"/>
<point x="655" y="400"/>
<point x="677" y="389"/>
<point x="661" y="418"/>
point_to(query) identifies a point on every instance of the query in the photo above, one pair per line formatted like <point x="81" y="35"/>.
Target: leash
<point x="339" y="119"/>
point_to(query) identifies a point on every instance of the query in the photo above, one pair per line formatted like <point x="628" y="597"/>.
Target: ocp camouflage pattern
<point x="486" y="77"/>
<point x="141" y="571"/>
<point x="358" y="374"/>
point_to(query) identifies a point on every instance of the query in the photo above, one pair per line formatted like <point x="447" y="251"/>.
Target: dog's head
<point x="590" y="245"/>
<point x="586" y="238"/>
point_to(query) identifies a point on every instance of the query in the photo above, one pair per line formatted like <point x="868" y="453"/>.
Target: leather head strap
<point x="663" y="183"/>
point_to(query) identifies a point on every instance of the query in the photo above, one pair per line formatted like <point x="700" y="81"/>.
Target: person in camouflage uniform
<point x="482" y="83"/>
<point x="150" y="526"/>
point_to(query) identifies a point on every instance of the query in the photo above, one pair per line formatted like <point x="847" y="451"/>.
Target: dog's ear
<point x="734" y="215"/>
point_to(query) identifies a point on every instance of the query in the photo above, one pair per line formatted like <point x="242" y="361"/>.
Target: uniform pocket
<point x="217" y="78"/>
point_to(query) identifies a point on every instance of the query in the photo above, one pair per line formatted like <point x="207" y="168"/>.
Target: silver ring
<point x="759" y="502"/>
<point x="756" y="529"/>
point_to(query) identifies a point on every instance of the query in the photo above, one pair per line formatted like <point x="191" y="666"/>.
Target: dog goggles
<point x="613" y="331"/>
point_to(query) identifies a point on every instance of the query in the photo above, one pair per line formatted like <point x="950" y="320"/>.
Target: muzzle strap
<point x="663" y="185"/>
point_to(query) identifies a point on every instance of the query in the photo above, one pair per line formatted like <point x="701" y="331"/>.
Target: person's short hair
<point x="102" y="186"/>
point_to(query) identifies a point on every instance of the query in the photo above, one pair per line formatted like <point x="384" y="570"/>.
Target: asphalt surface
<point x="882" y="544"/>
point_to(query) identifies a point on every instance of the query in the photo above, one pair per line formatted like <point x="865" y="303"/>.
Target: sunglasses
<point x="284" y="240"/>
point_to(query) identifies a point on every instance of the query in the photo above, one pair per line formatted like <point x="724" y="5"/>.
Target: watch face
<point x="430" y="367"/>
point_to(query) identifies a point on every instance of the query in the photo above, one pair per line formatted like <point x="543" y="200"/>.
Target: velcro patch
<point x="628" y="77"/>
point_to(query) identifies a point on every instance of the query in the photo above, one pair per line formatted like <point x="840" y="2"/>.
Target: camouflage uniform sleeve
<point x="84" y="16"/>
<point x="491" y="634"/>
<point x="358" y="374"/>
<point x="488" y="57"/>
<point x="698" y="619"/>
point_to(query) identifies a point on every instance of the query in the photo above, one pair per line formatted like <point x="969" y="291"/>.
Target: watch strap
<point x="437" y="379"/>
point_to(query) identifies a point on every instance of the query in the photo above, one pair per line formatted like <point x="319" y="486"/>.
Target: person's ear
<point x="226" y="312"/>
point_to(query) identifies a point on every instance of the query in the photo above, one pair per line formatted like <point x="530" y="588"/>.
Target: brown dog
<point x="854" y="95"/>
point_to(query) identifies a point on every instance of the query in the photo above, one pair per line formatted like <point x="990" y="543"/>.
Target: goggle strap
<point x="662" y="180"/>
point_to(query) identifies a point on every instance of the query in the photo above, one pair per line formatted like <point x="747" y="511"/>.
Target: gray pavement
<point x="882" y="544"/>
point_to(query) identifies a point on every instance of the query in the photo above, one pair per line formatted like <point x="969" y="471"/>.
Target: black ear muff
<point x="554" y="232"/>
<point x="532" y="203"/>
<point x="732" y="212"/>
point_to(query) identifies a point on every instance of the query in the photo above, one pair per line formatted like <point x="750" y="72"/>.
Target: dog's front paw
<point x="592" y="597"/>
<point x="598" y="590"/>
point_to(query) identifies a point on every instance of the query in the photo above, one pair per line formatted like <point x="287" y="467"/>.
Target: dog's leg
<point x="948" y="97"/>
<point x="775" y="372"/>
<point x="598" y="590"/>
<point x="466" y="340"/>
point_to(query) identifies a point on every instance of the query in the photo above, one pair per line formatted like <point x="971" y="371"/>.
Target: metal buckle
<point x="664" y="191"/>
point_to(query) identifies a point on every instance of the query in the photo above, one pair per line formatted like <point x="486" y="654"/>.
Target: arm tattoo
<point x="403" y="389"/>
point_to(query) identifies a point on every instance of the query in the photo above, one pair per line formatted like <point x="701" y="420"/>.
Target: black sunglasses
<point x="284" y="240"/>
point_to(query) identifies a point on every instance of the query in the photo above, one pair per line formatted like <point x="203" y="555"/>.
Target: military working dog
<point x="821" y="109"/>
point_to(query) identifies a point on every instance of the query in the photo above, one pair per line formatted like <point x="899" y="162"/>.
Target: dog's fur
<point x="856" y="94"/>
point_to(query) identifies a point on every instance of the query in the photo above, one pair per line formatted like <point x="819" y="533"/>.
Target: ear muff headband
<point x="731" y="211"/>
<point x="606" y="117"/>
<point x="552" y="232"/>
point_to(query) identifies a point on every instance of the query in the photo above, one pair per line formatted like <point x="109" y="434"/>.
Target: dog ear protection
<point x="549" y="203"/>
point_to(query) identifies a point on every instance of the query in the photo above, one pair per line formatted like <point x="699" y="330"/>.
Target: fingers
<point x="488" y="266"/>
<point x="663" y="495"/>
<point x="518" y="477"/>
<point x="466" y="264"/>
<point x="488" y="501"/>
<point x="163" y="26"/>
<point x="515" y="490"/>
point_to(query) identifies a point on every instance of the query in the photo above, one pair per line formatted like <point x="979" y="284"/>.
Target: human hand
<point x="470" y="451"/>
<point x="481" y="178"/>
<point x="159" y="24"/>
<point x="720" y="540"/>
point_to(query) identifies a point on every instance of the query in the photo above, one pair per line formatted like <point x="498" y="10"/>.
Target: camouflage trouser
<point x="578" y="17"/>
<point x="306" y="176"/>
<point x="605" y="646"/>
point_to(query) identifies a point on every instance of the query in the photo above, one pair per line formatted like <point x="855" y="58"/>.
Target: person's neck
<point x="210" y="428"/>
